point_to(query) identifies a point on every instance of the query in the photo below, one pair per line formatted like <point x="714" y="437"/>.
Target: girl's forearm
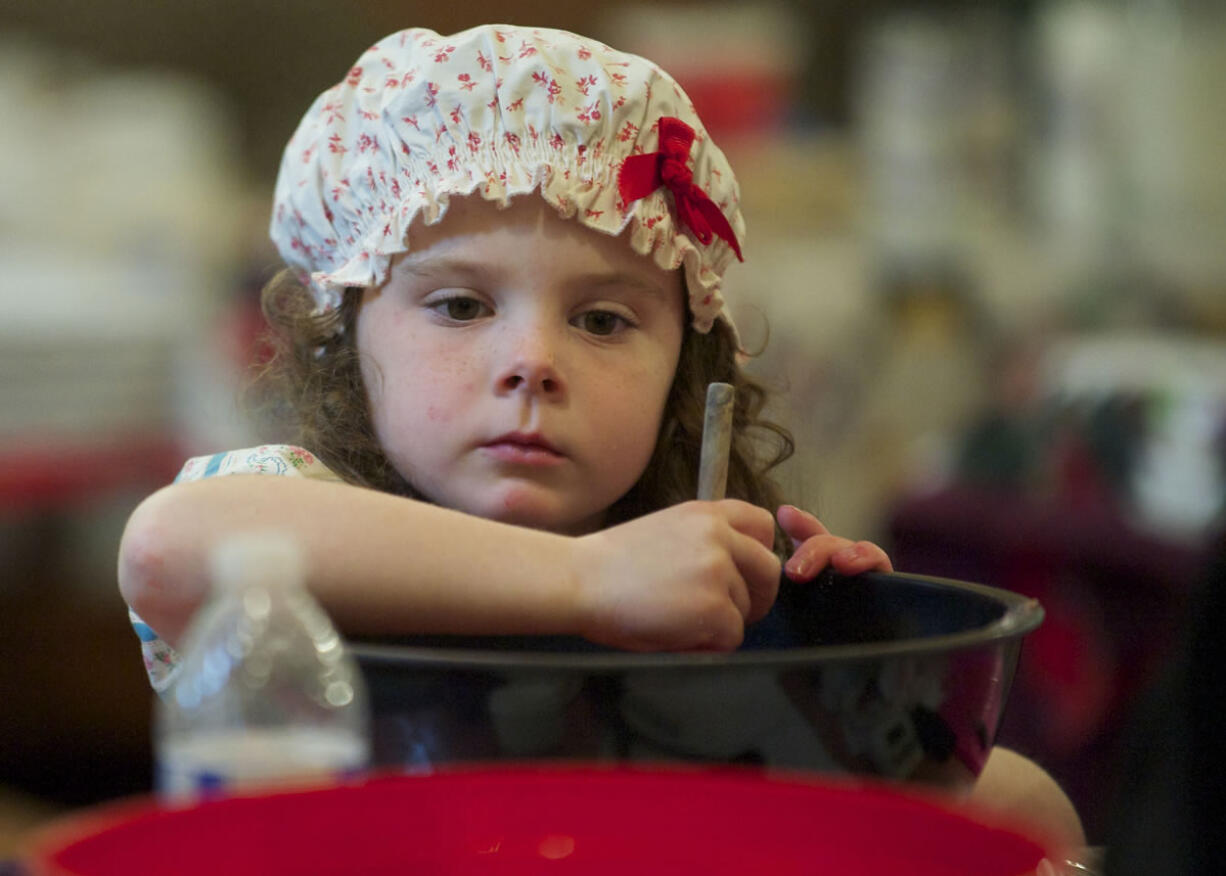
<point x="377" y="563"/>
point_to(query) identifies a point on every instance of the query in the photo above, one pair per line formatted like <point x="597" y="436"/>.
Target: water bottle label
<point x="209" y="765"/>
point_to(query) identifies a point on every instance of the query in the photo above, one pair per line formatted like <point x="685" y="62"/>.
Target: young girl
<point x="502" y="314"/>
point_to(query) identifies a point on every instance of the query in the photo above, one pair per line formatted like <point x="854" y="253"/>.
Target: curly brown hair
<point x="311" y="386"/>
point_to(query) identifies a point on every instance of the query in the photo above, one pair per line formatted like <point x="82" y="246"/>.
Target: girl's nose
<point x="532" y="366"/>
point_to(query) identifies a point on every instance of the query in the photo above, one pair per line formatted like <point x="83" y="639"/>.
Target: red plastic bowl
<point x="512" y="820"/>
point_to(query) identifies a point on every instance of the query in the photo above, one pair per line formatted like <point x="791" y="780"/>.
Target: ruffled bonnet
<point x="500" y="111"/>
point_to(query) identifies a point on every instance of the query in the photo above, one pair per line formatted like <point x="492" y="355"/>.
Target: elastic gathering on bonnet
<point x="605" y="137"/>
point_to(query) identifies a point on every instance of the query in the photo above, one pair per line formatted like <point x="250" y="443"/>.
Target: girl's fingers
<point x="725" y="636"/>
<point x="846" y="556"/>
<point x="752" y="552"/>
<point x="799" y="525"/>
<point x="861" y="556"/>
<point x="750" y="520"/>
<point x="813" y="555"/>
<point x="739" y="593"/>
<point x="759" y="569"/>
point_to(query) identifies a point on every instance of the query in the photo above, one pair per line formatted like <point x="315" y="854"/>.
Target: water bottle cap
<point x="264" y="558"/>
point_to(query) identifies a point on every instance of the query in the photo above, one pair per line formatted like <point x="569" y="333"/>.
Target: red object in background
<point x="1071" y="665"/>
<point x="1114" y="597"/>
<point x="564" y="819"/>
<point x="242" y="334"/>
<point x="747" y="101"/>
<point x="49" y="474"/>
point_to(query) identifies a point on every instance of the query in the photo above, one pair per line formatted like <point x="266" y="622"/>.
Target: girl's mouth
<point x="523" y="449"/>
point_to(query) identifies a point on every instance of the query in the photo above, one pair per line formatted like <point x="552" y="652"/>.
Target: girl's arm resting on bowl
<point x="382" y="564"/>
<point x="364" y="551"/>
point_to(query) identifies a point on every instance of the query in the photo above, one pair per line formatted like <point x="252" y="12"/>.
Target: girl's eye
<point x="460" y="308"/>
<point x="602" y="322"/>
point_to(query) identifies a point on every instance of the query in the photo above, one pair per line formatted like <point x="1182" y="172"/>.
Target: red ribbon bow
<point x="640" y="175"/>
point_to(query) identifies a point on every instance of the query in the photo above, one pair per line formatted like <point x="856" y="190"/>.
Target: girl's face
<point x="518" y="363"/>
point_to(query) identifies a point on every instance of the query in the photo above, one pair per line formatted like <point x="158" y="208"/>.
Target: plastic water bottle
<point x="267" y="695"/>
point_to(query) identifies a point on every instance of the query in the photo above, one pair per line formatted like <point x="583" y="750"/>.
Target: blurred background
<point x="984" y="264"/>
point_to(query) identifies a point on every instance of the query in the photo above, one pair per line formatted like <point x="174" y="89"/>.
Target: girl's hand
<point x="814" y="548"/>
<point x="688" y="577"/>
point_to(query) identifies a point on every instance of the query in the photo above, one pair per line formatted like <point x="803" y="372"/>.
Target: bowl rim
<point x="1021" y="615"/>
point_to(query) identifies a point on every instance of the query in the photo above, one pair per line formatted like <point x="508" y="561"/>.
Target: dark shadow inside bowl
<point x="890" y="675"/>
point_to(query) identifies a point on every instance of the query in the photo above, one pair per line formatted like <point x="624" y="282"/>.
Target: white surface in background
<point x="118" y="218"/>
<point x="1179" y="482"/>
<point x="1174" y="139"/>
